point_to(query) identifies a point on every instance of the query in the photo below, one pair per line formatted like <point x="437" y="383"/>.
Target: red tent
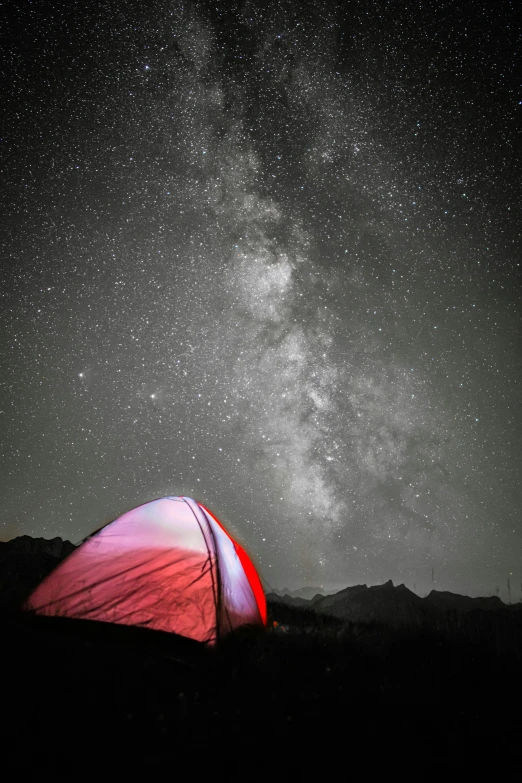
<point x="168" y="565"/>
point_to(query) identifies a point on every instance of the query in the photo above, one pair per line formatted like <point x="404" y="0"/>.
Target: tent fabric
<point x="169" y="565"/>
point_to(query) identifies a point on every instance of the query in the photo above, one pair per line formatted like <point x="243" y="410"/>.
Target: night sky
<point x="267" y="255"/>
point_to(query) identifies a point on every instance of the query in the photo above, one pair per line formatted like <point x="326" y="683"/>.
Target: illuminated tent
<point x="168" y="565"/>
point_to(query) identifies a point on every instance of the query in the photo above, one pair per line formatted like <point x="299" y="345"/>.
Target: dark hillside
<point x="311" y="691"/>
<point x="314" y="693"/>
<point x="24" y="562"/>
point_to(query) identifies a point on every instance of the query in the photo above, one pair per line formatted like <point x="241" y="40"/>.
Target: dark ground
<point x="312" y="697"/>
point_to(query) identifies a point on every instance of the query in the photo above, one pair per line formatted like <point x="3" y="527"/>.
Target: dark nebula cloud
<point x="267" y="255"/>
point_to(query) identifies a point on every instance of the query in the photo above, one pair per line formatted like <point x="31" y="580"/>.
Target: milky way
<point x="268" y="257"/>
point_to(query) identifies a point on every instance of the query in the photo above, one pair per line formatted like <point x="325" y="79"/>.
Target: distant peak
<point x="386" y="586"/>
<point x="57" y="547"/>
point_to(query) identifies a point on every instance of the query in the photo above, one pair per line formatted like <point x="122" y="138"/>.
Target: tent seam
<point x="215" y="588"/>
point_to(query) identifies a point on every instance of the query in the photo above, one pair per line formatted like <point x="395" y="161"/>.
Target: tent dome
<point x="168" y="565"/>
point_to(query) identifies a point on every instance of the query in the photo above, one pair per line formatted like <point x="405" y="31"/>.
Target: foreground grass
<point x="310" y="691"/>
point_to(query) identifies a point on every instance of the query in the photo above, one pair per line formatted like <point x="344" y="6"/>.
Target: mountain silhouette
<point x="389" y="604"/>
<point x="24" y="562"/>
<point x="303" y="592"/>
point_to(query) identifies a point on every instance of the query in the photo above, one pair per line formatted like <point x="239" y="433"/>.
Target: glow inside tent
<point x="169" y="565"/>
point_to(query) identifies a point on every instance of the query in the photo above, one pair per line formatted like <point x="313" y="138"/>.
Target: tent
<point x="168" y="565"/>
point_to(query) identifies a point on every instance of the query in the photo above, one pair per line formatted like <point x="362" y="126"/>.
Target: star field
<point x="268" y="255"/>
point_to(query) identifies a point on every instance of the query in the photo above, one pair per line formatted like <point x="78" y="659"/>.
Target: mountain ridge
<point x="25" y="561"/>
<point x="394" y="605"/>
